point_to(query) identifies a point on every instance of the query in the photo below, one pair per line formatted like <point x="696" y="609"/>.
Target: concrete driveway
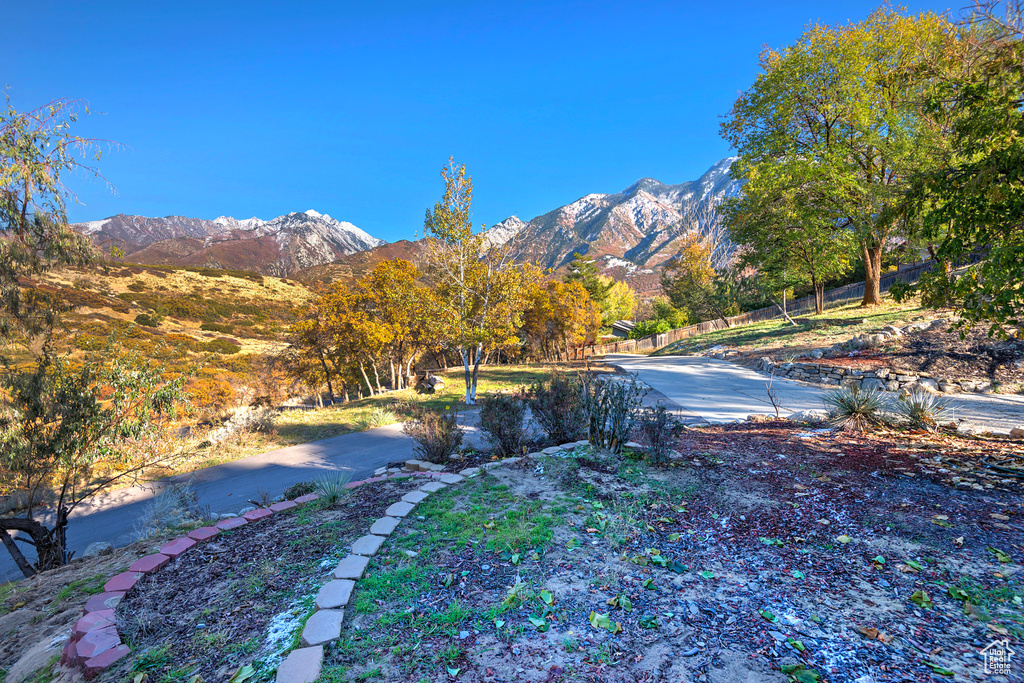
<point x="719" y="391"/>
<point x="112" y="516"/>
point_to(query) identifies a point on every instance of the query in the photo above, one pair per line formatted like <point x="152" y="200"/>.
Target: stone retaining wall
<point x="879" y="379"/>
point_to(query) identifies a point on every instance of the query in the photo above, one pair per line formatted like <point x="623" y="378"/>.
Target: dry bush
<point x="437" y="434"/>
<point x="501" y="419"/>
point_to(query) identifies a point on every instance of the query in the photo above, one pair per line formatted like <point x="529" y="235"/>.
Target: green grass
<point x="302" y="426"/>
<point x="780" y="334"/>
<point x="45" y="674"/>
<point x="90" y="586"/>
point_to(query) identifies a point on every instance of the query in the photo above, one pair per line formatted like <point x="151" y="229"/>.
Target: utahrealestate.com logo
<point x="997" y="656"/>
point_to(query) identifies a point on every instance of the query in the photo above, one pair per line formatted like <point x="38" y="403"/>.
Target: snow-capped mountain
<point x="280" y="246"/>
<point x="635" y="229"/>
<point x="500" y="233"/>
<point x="630" y="233"/>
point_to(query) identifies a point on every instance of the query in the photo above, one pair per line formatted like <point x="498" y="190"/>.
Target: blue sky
<point x="260" y="108"/>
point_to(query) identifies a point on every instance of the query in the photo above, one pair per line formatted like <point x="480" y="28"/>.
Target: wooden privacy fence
<point x="840" y="295"/>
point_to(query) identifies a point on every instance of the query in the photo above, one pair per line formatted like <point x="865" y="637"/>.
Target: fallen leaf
<point x="843" y="539"/>
<point x="243" y="674"/>
<point x="868" y="632"/>
<point x="921" y="599"/>
<point x="998" y="629"/>
<point x="1002" y="556"/>
<point x="940" y="669"/>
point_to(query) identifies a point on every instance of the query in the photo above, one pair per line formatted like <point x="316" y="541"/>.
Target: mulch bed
<point x="237" y="599"/>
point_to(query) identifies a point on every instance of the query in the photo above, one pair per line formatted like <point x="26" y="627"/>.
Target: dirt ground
<point x="945" y="354"/>
<point x="765" y="549"/>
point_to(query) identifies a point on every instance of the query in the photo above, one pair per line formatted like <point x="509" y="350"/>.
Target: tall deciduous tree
<point x="63" y="426"/>
<point x="973" y="204"/>
<point x="835" y="116"/>
<point x="692" y="284"/>
<point x="481" y="292"/>
<point x="787" y="236"/>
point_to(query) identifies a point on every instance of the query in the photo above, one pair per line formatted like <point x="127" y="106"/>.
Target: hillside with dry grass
<point x="223" y="328"/>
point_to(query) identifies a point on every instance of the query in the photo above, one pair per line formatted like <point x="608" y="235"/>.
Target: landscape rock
<point x="1017" y="432"/>
<point x="810" y="416"/>
<point x="367" y="545"/>
<point x="817" y="353"/>
<point x="352" y="567"/>
<point x="97" y="549"/>
<point x="384" y="526"/>
<point x="433" y="487"/>
<point x="323" y="627"/>
<point x="873" y="384"/>
<point x="335" y="594"/>
<point x="301" y="666"/>
<point x="400" y="509"/>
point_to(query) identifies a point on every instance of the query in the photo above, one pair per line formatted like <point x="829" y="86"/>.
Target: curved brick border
<point x="94" y="643"/>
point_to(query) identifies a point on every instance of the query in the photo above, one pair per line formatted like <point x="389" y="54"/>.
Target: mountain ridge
<point x="280" y="246"/>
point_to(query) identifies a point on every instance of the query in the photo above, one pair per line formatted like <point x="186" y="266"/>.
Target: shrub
<point x="654" y="430"/>
<point x="853" y="409"/>
<point x="437" y="435"/>
<point x="645" y="328"/>
<point x="300" y="489"/>
<point x="217" y="327"/>
<point x="501" y="419"/>
<point x="136" y="287"/>
<point x="923" y="409"/>
<point x="224" y="346"/>
<point x="331" y="489"/>
<point x="148" y="319"/>
<point x="610" y="409"/>
<point x="175" y="506"/>
<point x="556" y="407"/>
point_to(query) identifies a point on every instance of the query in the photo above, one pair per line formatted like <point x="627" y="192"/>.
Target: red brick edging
<point x="95" y="644"/>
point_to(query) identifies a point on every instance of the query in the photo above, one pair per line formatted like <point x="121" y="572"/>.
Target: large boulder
<point x="810" y="416"/>
<point x="872" y="384"/>
<point x="97" y="549"/>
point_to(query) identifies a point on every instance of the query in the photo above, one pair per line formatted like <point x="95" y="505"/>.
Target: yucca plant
<point x="854" y="409"/>
<point x="331" y="489"/>
<point x="923" y="409"/>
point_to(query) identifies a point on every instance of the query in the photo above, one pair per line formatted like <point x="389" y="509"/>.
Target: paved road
<point x="226" y="488"/>
<point x="720" y="391"/>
